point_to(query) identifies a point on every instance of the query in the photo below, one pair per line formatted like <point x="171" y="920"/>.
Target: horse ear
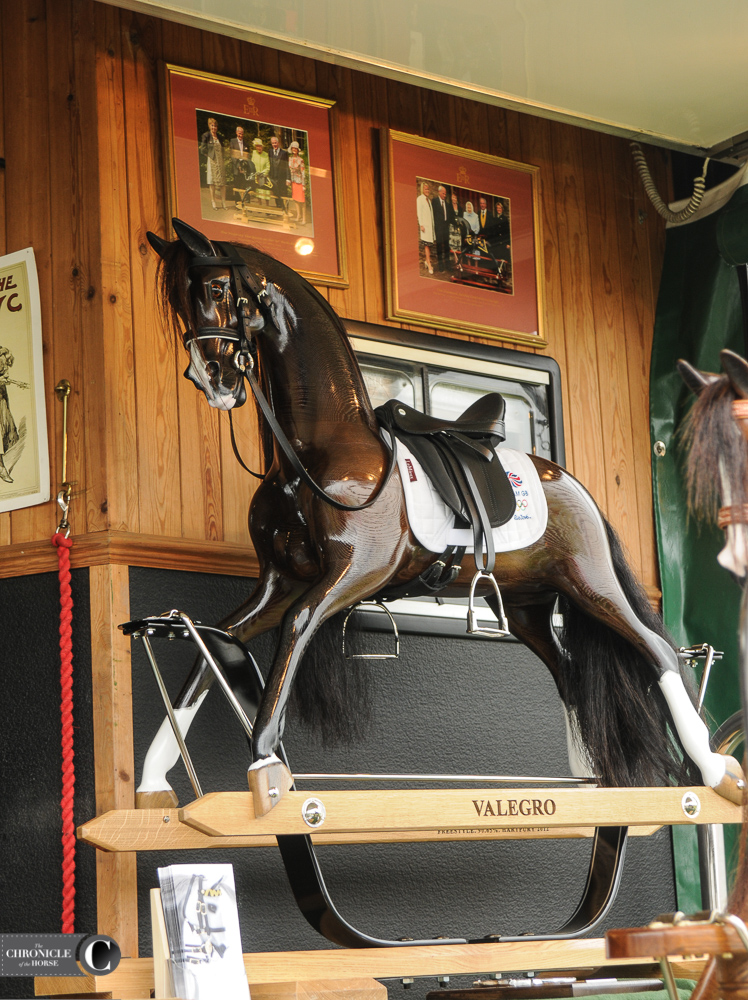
<point x="736" y="369"/>
<point x="157" y="243"/>
<point x="696" y="380"/>
<point x="195" y="241"/>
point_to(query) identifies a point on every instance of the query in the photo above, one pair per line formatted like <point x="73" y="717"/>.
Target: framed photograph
<point x="252" y="164"/>
<point x="464" y="250"/>
<point x="24" y="456"/>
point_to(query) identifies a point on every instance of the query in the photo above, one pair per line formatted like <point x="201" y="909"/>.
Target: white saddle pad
<point x="432" y="522"/>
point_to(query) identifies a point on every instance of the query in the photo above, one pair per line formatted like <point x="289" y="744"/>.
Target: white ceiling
<point x="672" y="72"/>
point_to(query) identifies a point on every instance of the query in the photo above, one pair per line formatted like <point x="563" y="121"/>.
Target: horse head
<point x="217" y="299"/>
<point x="716" y="433"/>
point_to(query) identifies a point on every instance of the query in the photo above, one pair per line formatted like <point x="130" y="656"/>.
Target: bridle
<point x="242" y="279"/>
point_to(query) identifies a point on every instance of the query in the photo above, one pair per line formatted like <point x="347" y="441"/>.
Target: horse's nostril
<point x="213" y="369"/>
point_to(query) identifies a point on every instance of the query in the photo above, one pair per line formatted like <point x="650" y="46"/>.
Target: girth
<point x="460" y="460"/>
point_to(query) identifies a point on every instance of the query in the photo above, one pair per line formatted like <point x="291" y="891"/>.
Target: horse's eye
<point x="216" y="291"/>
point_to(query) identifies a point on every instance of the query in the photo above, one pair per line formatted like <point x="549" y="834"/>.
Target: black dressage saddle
<point x="459" y="458"/>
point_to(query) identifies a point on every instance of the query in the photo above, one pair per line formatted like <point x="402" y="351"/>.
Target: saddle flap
<point x="484" y="418"/>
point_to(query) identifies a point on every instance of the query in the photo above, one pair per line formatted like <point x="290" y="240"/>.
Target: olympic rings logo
<point x="521" y="504"/>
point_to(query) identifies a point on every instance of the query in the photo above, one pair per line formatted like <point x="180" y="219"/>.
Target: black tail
<point x="331" y="694"/>
<point x="624" y="721"/>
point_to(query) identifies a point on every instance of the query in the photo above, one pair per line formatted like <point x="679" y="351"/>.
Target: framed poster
<point x="464" y="250"/>
<point x="256" y="165"/>
<point x="24" y="457"/>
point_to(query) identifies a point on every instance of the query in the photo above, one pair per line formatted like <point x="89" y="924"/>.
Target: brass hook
<point x="62" y="391"/>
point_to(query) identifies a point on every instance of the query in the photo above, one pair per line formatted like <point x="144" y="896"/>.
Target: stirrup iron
<point x="473" y="628"/>
<point x="373" y="656"/>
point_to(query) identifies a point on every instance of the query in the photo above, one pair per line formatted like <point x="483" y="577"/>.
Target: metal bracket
<point x="692" y="653"/>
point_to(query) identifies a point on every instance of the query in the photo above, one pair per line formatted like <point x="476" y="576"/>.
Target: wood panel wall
<point x="84" y="181"/>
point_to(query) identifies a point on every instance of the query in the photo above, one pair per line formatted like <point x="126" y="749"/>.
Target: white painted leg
<point x="717" y="771"/>
<point x="579" y="762"/>
<point x="154" y="789"/>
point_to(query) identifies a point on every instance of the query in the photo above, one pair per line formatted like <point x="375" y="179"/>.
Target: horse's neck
<point x="311" y="370"/>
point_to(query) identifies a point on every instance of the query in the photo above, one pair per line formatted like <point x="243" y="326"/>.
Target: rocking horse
<point x="330" y="528"/>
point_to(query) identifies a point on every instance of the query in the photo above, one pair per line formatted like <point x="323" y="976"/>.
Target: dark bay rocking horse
<point x="329" y="526"/>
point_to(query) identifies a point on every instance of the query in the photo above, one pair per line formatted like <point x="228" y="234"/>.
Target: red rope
<point x="66" y="711"/>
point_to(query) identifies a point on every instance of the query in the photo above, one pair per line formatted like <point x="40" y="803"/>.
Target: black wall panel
<point x="31" y="758"/>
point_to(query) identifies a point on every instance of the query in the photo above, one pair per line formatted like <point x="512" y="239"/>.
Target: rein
<point x="240" y="275"/>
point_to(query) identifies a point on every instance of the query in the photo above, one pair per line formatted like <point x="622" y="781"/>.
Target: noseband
<point x="241" y="277"/>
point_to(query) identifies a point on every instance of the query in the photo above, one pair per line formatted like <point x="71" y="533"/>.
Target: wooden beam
<point x="114" y="767"/>
<point x="674" y="939"/>
<point x="351" y="963"/>
<point x="230" y="814"/>
<point x="161" y="830"/>
<point x="125" y="548"/>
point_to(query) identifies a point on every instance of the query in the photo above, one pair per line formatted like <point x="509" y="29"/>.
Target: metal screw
<point x="313" y="812"/>
<point x="660" y="449"/>
<point x="167" y="819"/>
<point x="691" y="804"/>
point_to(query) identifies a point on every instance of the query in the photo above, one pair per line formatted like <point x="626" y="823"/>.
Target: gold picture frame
<point x="464" y="250"/>
<point x="283" y="195"/>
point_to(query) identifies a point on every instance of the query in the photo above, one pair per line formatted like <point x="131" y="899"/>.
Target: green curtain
<point x="698" y="314"/>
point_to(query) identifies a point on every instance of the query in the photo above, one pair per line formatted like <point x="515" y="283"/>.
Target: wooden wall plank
<point x="222" y="55"/>
<point x="238" y="486"/>
<point x="583" y="420"/>
<point x="297" y="73"/>
<point x="158" y="448"/>
<point x="201" y="493"/>
<point x="66" y="347"/>
<point x="370" y="111"/>
<point x="88" y="407"/>
<point x="439" y="116"/>
<point x="260" y="65"/>
<point x="336" y="84"/>
<point x="636" y="235"/>
<point x="610" y="339"/>
<point x="536" y="148"/>
<point x="71" y="128"/>
<point x="119" y="369"/>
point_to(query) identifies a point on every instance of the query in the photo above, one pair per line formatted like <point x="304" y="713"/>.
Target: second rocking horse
<point x="319" y="554"/>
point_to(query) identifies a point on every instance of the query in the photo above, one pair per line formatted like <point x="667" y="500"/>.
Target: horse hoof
<point x="163" y="799"/>
<point x="733" y="784"/>
<point x="269" y="780"/>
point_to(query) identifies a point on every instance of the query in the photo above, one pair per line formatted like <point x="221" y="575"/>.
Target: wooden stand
<point x="226" y="819"/>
